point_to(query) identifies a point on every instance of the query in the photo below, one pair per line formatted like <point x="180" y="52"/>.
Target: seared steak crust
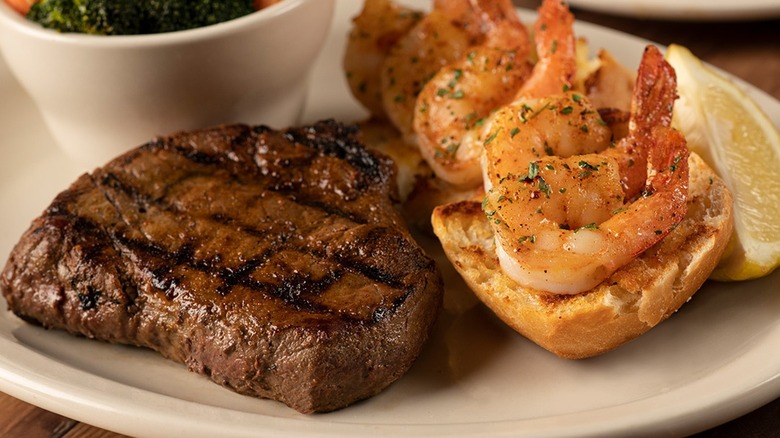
<point x="272" y="261"/>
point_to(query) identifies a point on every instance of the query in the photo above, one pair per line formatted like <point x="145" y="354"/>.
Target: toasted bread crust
<point x="634" y="299"/>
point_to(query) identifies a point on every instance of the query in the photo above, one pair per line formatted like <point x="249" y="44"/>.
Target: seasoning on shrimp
<point x="375" y="31"/>
<point x="469" y="89"/>
<point x="599" y="209"/>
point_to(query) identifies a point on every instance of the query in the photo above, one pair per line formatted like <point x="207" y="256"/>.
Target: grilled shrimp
<point x="556" y="50"/>
<point x="452" y="107"/>
<point x="452" y="116"/>
<point x="562" y="125"/>
<point x="565" y="223"/>
<point x="446" y="35"/>
<point x="380" y="24"/>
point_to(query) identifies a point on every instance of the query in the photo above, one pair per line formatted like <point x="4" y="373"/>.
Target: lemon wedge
<point x="731" y="133"/>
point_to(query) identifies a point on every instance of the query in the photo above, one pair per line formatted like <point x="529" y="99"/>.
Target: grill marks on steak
<point x="272" y="261"/>
<point x="206" y="205"/>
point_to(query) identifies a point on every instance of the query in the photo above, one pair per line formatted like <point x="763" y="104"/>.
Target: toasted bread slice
<point x="633" y="300"/>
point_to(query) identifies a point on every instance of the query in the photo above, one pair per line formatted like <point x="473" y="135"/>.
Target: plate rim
<point x="66" y="399"/>
<point x="684" y="10"/>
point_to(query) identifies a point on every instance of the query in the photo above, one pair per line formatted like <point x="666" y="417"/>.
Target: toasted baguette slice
<point x="633" y="300"/>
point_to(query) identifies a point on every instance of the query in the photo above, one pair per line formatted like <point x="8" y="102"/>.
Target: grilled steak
<point x="272" y="261"/>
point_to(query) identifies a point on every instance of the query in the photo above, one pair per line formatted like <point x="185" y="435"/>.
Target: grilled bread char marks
<point x="272" y="261"/>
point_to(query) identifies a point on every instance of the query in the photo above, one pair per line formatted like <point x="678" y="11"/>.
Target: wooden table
<point x="750" y="50"/>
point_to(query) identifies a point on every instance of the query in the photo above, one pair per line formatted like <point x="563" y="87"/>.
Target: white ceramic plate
<point x="724" y="10"/>
<point x="713" y="361"/>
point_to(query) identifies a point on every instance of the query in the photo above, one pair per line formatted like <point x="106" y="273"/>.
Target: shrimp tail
<point x="668" y="164"/>
<point x="654" y="93"/>
<point x="651" y="106"/>
<point x="664" y="200"/>
<point x="556" y="49"/>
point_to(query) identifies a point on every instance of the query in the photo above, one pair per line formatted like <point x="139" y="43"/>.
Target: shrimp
<point x="651" y="105"/>
<point x="556" y="49"/>
<point x="610" y="84"/>
<point x="567" y="124"/>
<point x="453" y="107"/>
<point x="562" y="125"/>
<point x="433" y="43"/>
<point x="484" y="19"/>
<point x="448" y="33"/>
<point x="380" y="24"/>
<point x="567" y="223"/>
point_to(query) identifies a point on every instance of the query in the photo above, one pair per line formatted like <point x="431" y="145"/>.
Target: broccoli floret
<point x="172" y="15"/>
<point x="101" y="17"/>
<point x="130" y="17"/>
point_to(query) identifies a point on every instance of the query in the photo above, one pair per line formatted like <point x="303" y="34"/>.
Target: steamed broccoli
<point x="103" y="17"/>
<point x="172" y="15"/>
<point x="130" y="17"/>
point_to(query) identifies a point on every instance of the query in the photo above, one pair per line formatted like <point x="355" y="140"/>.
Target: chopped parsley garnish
<point x="590" y="226"/>
<point x="585" y="165"/>
<point x="524" y="109"/>
<point x="457" y="74"/>
<point x="544" y="187"/>
<point x="546" y="105"/>
<point x="452" y="149"/>
<point x="492" y="136"/>
<point x="531" y="239"/>
<point x="533" y="170"/>
<point x="585" y="174"/>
